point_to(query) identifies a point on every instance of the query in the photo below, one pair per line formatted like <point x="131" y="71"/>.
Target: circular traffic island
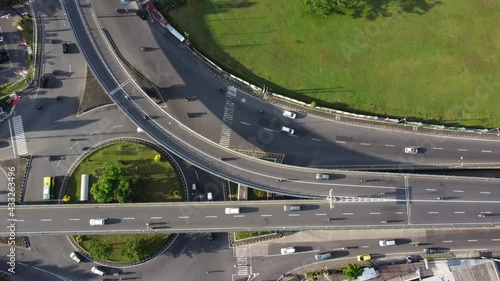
<point x="124" y="172"/>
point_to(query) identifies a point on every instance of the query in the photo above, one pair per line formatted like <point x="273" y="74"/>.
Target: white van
<point x="97" y="221"/>
<point x="386" y="243"/>
<point x="209" y="196"/>
<point x="97" y="271"/>
<point x="289" y="208"/>
<point x="232" y="211"/>
<point x="322" y="256"/>
<point x="287" y="250"/>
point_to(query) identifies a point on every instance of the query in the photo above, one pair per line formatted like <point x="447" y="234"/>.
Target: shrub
<point x="66" y="198"/>
<point x="157" y="158"/>
<point x="313" y="104"/>
<point x="177" y="194"/>
<point x="78" y="239"/>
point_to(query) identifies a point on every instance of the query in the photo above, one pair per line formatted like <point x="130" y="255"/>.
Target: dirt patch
<point x="93" y="95"/>
<point x="17" y="168"/>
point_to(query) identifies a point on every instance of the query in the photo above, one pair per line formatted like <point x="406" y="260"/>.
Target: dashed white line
<point x="320" y="214"/>
<point x="118" y="126"/>
<point x="486" y="151"/>
<point x="46" y="220"/>
<point x="448" y="241"/>
<point x="390" y="145"/>
<point x="74" y="219"/>
<point x="266" y="215"/>
<point x="245" y="123"/>
<point x="156" y="218"/>
<point x="347" y="214"/>
<point x="364" y="247"/>
<point x="400" y="213"/>
<point x="437" y="148"/>
<point x="430" y="189"/>
<point x="485" y="192"/>
<point x="374" y="213"/>
<point x="268" y="130"/>
<point x="459" y="212"/>
<point x="340" y="141"/>
<point x="93" y="133"/>
<point x="462" y="149"/>
<point x="432" y="212"/>
<point x="210" y="216"/>
<point x="184" y="217"/>
<point x="293" y="215"/>
<point x="472" y="240"/>
<point x="458" y="191"/>
<point x="293" y="136"/>
<point x="495" y="239"/>
<point x="364" y="143"/>
<point x="239" y="216"/>
<point x="316" y="139"/>
<point x="129" y="218"/>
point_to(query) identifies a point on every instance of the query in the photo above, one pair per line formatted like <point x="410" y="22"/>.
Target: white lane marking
<point x="129" y="218"/>
<point x="472" y="240"/>
<point x="21" y="145"/>
<point x="266" y="215"/>
<point x="495" y="239"/>
<point x="296" y="253"/>
<point x="184" y="217"/>
<point x="347" y="214"/>
<point x="432" y="212"/>
<point x="448" y="241"/>
<point x="210" y="216"/>
<point x="430" y="189"/>
<point x="93" y="133"/>
<point x="485" y="192"/>
<point x="458" y="191"/>
<point x="400" y="213"/>
<point x="239" y="216"/>
<point x="59" y="162"/>
<point x="364" y="143"/>
<point x="69" y="68"/>
<point x="74" y="219"/>
<point x="156" y="218"/>
<point x="437" y="148"/>
<point x="46" y="220"/>
<point x="12" y="139"/>
<point x="74" y="145"/>
<point x="293" y="215"/>
<point x="117" y="126"/>
<point x="293" y="136"/>
<point x="320" y="214"/>
<point x="119" y="87"/>
<point x="316" y="139"/>
<point x="486" y="151"/>
<point x="459" y="212"/>
<point x="245" y="123"/>
<point x="462" y="149"/>
<point x="390" y="145"/>
<point x="340" y="141"/>
<point x="364" y="247"/>
<point x="196" y="173"/>
<point x="374" y="213"/>
<point x="268" y="130"/>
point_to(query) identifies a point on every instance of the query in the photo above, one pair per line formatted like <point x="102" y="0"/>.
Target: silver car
<point x="411" y="150"/>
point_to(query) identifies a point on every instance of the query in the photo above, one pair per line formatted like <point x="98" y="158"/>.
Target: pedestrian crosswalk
<point x="20" y="139"/>
<point x="243" y="261"/>
<point x="228" y="117"/>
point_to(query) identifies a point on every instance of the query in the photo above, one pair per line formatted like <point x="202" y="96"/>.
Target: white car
<point x="1" y="39"/>
<point x="287" y="250"/>
<point x="74" y="257"/>
<point x="411" y="150"/>
<point x="97" y="271"/>
<point x="386" y="243"/>
<point x="287" y="130"/>
<point x="97" y="221"/>
<point x="289" y="114"/>
<point x="232" y="211"/>
<point x="322" y="176"/>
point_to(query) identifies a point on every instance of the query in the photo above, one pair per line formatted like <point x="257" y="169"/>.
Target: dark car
<point x="210" y="236"/>
<point x="65" y="48"/>
<point x="44" y="81"/>
<point x="429" y="251"/>
<point x="4" y="57"/>
<point x="85" y="148"/>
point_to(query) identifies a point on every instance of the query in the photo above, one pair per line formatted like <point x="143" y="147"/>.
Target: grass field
<point x="253" y="234"/>
<point x="426" y="60"/>
<point x="158" y="186"/>
<point x="153" y="243"/>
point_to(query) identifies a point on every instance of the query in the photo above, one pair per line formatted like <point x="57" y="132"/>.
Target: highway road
<point x="348" y="213"/>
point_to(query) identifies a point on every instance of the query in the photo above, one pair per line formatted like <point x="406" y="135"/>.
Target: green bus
<point x="48" y="187"/>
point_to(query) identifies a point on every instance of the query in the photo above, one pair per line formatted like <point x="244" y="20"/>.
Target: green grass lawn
<point x="153" y="243"/>
<point x="398" y="60"/>
<point x="254" y="194"/>
<point x="159" y="185"/>
<point x="252" y="234"/>
<point x="27" y="32"/>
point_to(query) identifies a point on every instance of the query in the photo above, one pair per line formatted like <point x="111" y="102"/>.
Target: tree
<point x="8" y="4"/>
<point x="325" y="7"/>
<point x="353" y="271"/>
<point x="100" y="250"/>
<point x="123" y="191"/>
<point x="102" y="191"/>
<point x="134" y="249"/>
<point x="113" y="171"/>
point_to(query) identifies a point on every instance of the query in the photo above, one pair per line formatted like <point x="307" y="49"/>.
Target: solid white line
<point x="448" y="241"/>
<point x="374" y="213"/>
<point x="316" y="139"/>
<point x="196" y="173"/>
<point x="430" y="189"/>
<point x="462" y="149"/>
<point x="74" y="219"/>
<point x="458" y="191"/>
<point x="320" y="214"/>
<point x="12" y="138"/>
<point x="6" y="147"/>
<point x="438" y="148"/>
<point x="46" y="220"/>
<point x="74" y="145"/>
<point x="390" y="145"/>
<point x="210" y="216"/>
<point x="156" y="218"/>
<point x="364" y="247"/>
<point x="364" y="143"/>
<point x="266" y="215"/>
<point x="293" y="215"/>
<point x="268" y="130"/>
<point x="94" y="132"/>
<point x="347" y="214"/>
<point x="459" y="212"/>
<point x="296" y="253"/>
<point x="118" y="126"/>
<point x="340" y="141"/>
<point x="129" y="218"/>
<point x="245" y="123"/>
<point x="485" y="192"/>
<point x="184" y="217"/>
<point x="473" y="240"/>
<point x="239" y="216"/>
<point x="432" y="212"/>
<point x="59" y="162"/>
